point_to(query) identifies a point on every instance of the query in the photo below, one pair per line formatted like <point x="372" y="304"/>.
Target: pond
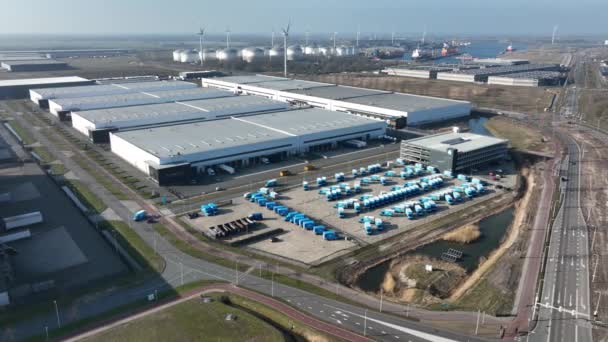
<point x="492" y="229"/>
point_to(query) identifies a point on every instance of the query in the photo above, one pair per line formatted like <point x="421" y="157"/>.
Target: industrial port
<point x="390" y="188"/>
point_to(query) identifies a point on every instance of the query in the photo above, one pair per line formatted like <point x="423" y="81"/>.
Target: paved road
<point x="182" y="268"/>
<point x="564" y="308"/>
<point x="275" y="304"/>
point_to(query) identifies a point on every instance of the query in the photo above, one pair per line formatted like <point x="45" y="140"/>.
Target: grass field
<point x="135" y="245"/>
<point x="519" y="136"/>
<point x="194" y="321"/>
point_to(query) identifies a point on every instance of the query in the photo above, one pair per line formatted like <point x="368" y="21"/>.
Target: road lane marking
<point x="419" y="334"/>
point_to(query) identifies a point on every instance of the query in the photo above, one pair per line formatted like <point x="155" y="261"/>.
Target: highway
<point x="563" y="307"/>
<point x="564" y="312"/>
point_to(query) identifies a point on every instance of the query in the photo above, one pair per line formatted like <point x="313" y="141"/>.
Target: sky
<point x="473" y="17"/>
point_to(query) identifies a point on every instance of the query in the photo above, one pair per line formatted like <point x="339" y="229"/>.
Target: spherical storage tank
<point x="227" y="54"/>
<point x="251" y="54"/>
<point x="294" y="52"/>
<point x="177" y="55"/>
<point x="189" y="56"/>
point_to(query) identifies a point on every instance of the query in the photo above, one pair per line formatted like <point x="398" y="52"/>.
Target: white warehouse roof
<point x="169" y="141"/>
<point x="108" y="89"/>
<point x="42" y="81"/>
<point x="122" y="117"/>
<point x="133" y="99"/>
<point x="464" y="142"/>
<point x="403" y="102"/>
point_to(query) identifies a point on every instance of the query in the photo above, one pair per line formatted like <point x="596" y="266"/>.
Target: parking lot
<point x="302" y="245"/>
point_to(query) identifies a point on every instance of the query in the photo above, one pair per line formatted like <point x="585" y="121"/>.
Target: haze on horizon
<point x="472" y="17"/>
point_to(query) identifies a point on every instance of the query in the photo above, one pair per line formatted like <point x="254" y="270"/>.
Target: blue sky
<point x="517" y="17"/>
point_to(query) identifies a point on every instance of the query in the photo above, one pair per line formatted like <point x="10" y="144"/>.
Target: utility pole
<point x="477" y="325"/>
<point x="181" y="269"/>
<point x="597" y="261"/>
<point x="236" y="272"/>
<point x="57" y="314"/>
<point x="381" y="293"/>
<point x="272" y="284"/>
<point x="597" y="306"/>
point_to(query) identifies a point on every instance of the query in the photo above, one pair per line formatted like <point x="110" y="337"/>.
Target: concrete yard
<point x="294" y="243"/>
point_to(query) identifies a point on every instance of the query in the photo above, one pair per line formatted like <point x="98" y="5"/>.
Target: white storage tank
<point x="228" y="54"/>
<point x="189" y="56"/>
<point x="177" y="55"/>
<point x="294" y="52"/>
<point x="341" y="51"/>
<point x="310" y="50"/>
<point x="251" y="54"/>
<point x="209" y="54"/>
<point x="324" y="51"/>
<point x="275" y="52"/>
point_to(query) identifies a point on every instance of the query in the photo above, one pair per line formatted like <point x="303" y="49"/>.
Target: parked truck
<point x="227" y="168"/>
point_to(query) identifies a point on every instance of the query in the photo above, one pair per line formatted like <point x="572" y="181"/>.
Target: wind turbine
<point x="554" y="33"/>
<point x="334" y="39"/>
<point x="285" y="35"/>
<point x="200" y="34"/>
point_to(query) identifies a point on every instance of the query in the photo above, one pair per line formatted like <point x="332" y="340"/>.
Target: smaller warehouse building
<point x="481" y="75"/>
<point x="456" y="152"/>
<point x="176" y="153"/>
<point x="34" y="65"/>
<point x="19" y="89"/>
<point x="97" y="124"/>
<point x="529" y="79"/>
<point x="63" y="106"/>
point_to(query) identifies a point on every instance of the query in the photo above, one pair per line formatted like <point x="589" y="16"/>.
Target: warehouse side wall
<point x="132" y="154"/>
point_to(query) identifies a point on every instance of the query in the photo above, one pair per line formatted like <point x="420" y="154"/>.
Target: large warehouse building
<point x="455" y="151"/>
<point x="173" y="154"/>
<point x="63" y="106"/>
<point x="97" y="124"/>
<point x="17" y="89"/>
<point x="42" y="96"/>
<point x="397" y="109"/>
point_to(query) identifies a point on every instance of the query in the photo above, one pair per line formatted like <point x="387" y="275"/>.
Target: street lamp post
<point x="365" y="324"/>
<point x="57" y="313"/>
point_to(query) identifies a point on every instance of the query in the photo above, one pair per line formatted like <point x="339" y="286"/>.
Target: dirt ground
<point x="407" y="280"/>
<point x="543" y="54"/>
<point x="501" y="97"/>
<point x="519" y="136"/>
<point x="594" y="201"/>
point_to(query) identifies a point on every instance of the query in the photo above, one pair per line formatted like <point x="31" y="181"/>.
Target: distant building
<point x="454" y="151"/>
<point x="605" y="42"/>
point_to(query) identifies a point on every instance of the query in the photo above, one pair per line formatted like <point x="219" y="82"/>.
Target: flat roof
<point x="113" y="88"/>
<point x="42" y="81"/>
<point x="11" y="58"/>
<point x="404" y="102"/>
<point x="33" y="62"/>
<point x="175" y="111"/>
<point x="337" y="92"/>
<point x="283" y="85"/>
<point x="119" y="100"/>
<point x="535" y="75"/>
<point x="245" y="79"/>
<point x="307" y="121"/>
<point x="168" y="141"/>
<point x="463" y="142"/>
